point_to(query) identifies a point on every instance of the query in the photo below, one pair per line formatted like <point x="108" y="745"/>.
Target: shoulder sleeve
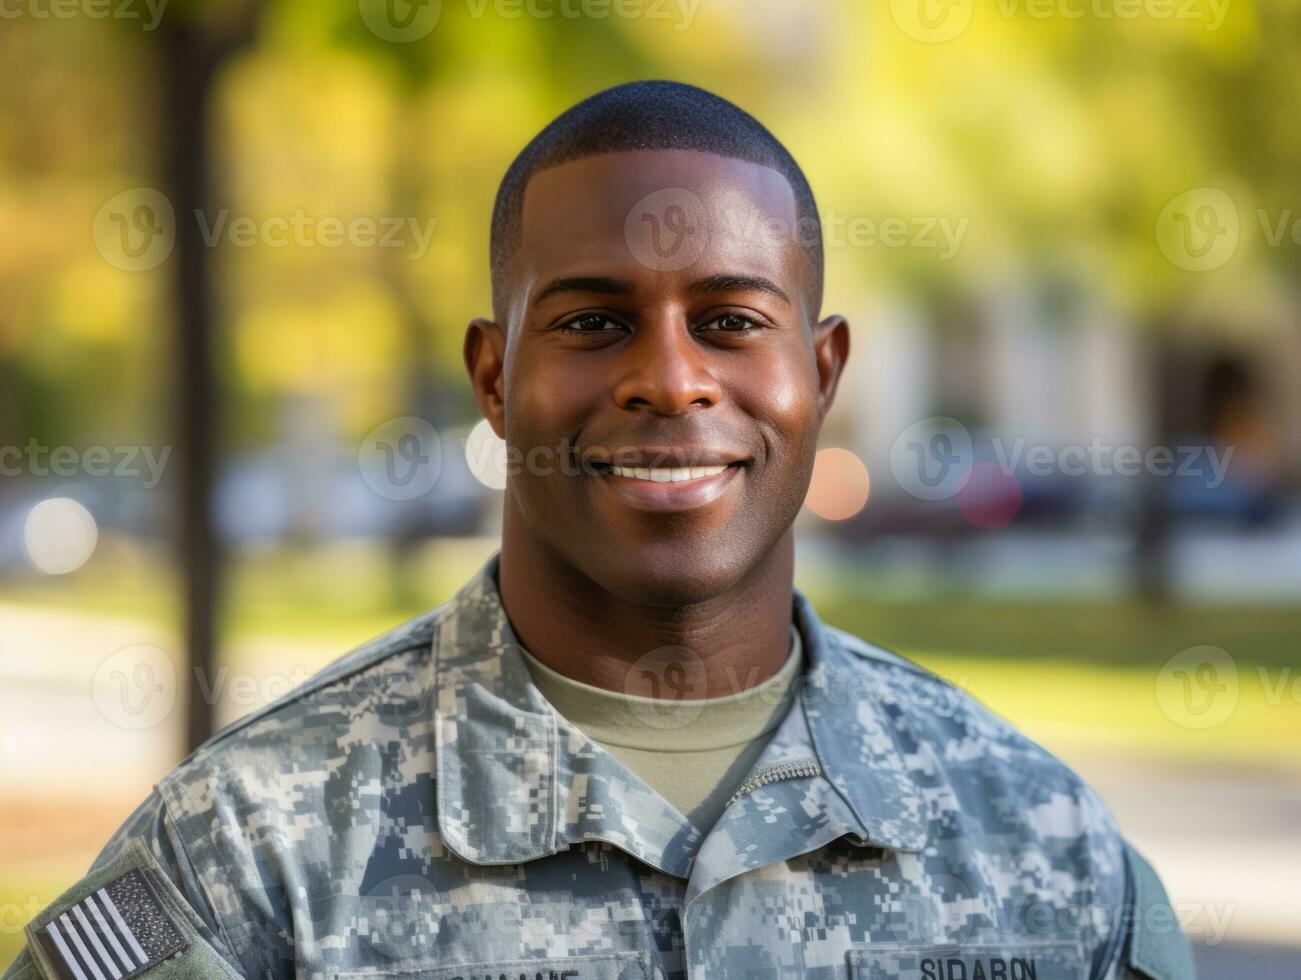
<point x="139" y="911"/>
<point x="1147" y="942"/>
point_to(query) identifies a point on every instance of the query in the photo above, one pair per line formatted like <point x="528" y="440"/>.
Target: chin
<point x="672" y="573"/>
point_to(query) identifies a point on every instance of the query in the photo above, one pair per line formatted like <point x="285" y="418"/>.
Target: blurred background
<point x="240" y="241"/>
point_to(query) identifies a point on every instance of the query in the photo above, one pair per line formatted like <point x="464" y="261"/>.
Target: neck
<point x="570" y="623"/>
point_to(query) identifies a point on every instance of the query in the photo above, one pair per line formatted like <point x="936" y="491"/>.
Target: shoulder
<point x="384" y="684"/>
<point x="269" y="807"/>
<point x="361" y="681"/>
<point x="982" y="776"/>
<point x="383" y="681"/>
<point x="993" y="796"/>
<point x="297" y="788"/>
<point x="948" y="725"/>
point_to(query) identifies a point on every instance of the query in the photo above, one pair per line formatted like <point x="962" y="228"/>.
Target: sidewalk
<point x="1227" y="843"/>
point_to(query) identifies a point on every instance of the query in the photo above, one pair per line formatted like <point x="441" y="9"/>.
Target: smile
<point x="668" y="489"/>
<point x="674" y="474"/>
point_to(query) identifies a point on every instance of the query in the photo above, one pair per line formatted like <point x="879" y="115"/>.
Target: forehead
<point x="656" y="216"/>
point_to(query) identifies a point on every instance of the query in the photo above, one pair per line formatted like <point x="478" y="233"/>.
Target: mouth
<point x="667" y="489"/>
<point x="661" y="474"/>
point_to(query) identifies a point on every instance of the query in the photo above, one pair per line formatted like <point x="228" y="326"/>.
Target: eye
<point x="591" y="323"/>
<point x="731" y="323"/>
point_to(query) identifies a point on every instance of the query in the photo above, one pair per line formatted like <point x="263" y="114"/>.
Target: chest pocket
<point x="992" y="961"/>
<point x="601" y="966"/>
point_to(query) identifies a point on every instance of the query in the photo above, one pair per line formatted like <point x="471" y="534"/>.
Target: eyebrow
<point x="584" y="284"/>
<point x="622" y="287"/>
<point x="738" y="283"/>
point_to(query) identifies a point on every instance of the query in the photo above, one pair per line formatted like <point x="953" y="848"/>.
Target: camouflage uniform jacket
<point x="419" y="810"/>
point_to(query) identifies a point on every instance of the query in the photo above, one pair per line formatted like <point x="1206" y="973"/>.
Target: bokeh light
<point x="59" y="535"/>
<point x="486" y="454"/>
<point x="840" y="485"/>
<point x="991" y="497"/>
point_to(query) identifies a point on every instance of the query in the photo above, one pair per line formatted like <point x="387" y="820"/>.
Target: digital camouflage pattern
<point x="418" y="809"/>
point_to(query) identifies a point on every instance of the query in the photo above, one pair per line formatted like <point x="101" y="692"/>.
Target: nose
<point x="667" y="371"/>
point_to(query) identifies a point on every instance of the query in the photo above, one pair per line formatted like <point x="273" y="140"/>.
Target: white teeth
<point x="673" y="474"/>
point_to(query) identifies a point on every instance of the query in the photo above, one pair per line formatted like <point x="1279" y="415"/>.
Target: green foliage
<point x="1058" y="139"/>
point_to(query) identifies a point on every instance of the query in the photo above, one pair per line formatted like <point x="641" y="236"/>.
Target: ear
<point x="485" y="362"/>
<point x="830" y="352"/>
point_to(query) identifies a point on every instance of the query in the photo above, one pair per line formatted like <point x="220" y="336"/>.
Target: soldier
<point x="628" y="748"/>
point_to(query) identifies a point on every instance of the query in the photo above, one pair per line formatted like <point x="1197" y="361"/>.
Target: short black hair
<point x="648" y="115"/>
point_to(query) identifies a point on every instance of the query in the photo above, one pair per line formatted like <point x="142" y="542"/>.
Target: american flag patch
<point x="115" y="932"/>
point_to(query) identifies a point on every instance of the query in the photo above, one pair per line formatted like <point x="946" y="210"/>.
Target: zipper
<point x="796" y="769"/>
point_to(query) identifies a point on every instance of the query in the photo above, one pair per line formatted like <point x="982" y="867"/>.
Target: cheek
<point x="545" y="402"/>
<point x="784" y="398"/>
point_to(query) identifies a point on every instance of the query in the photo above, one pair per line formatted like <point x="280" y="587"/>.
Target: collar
<point x="680" y="725"/>
<point x="515" y="781"/>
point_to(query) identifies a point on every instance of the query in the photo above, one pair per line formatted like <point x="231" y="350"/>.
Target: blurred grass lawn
<point x="1074" y="674"/>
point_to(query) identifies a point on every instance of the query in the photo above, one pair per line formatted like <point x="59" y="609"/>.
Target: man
<point x="627" y="748"/>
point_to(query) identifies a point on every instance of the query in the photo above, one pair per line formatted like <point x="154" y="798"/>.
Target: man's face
<point x="658" y="376"/>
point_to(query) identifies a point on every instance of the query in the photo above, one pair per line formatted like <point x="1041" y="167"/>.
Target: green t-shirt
<point x="697" y="751"/>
